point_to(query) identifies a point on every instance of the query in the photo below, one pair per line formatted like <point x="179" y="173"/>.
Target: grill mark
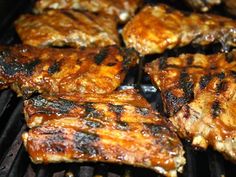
<point x="233" y="73"/>
<point x="221" y="75"/>
<point x="84" y="142"/>
<point x="117" y="109"/>
<point x="186" y="110"/>
<point x="190" y="60"/>
<point x="204" y="81"/>
<point x="155" y="129"/>
<point x="103" y="53"/>
<point x="55" y="67"/>
<point x="221" y="87"/>
<point x="215" y="109"/>
<point x="16" y="67"/>
<point x="70" y="15"/>
<point x="186" y="85"/>
<point x="129" y="55"/>
<point x="93" y="124"/>
<point x="124" y="126"/>
<point x="162" y="63"/>
<point x="56" y="142"/>
<point x="142" y="111"/>
<point x="61" y="106"/>
<point x="111" y="64"/>
<point x="90" y="111"/>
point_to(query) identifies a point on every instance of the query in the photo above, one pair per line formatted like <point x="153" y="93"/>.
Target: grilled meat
<point x="106" y="130"/>
<point x="201" y="90"/>
<point x="157" y="28"/>
<point x="181" y="78"/>
<point x="67" y="28"/>
<point x="123" y="9"/>
<point x="202" y="5"/>
<point x="122" y="106"/>
<point x="92" y="70"/>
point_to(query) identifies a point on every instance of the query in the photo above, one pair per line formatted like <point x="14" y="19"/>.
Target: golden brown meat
<point x="157" y="28"/>
<point x="181" y="78"/>
<point x="108" y="130"/>
<point x="67" y="28"/>
<point x="202" y="5"/>
<point x="123" y="9"/>
<point x="201" y="90"/>
<point x="92" y="70"/>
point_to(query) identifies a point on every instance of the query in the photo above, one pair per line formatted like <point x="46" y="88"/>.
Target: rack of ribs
<point x="48" y="70"/>
<point x="81" y="128"/>
<point x="158" y="28"/>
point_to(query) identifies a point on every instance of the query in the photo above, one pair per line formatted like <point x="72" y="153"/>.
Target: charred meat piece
<point x="123" y="9"/>
<point x="202" y="5"/>
<point x="157" y="28"/>
<point x="183" y="77"/>
<point x="48" y="70"/>
<point x="210" y="119"/>
<point x="106" y="130"/>
<point x="67" y="28"/>
<point x="124" y="106"/>
<point x="199" y="92"/>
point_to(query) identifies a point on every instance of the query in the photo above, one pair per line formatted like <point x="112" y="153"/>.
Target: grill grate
<point x="14" y="160"/>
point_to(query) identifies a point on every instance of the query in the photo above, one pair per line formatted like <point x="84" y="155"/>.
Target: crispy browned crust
<point x="92" y="70"/>
<point x="160" y="27"/>
<point x="123" y="9"/>
<point x="201" y="90"/>
<point x="107" y="130"/>
<point x="67" y="28"/>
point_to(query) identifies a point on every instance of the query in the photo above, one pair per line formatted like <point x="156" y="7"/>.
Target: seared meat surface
<point x="199" y="92"/>
<point x="48" y="70"/>
<point x="157" y="28"/>
<point x="67" y="28"/>
<point x="123" y="9"/>
<point x="111" y="130"/>
<point x="202" y="5"/>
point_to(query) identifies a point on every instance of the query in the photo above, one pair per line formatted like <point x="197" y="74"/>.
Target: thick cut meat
<point x="123" y="9"/>
<point x="67" y="28"/>
<point x="201" y="90"/>
<point x="181" y="78"/>
<point x="157" y="28"/>
<point x="92" y="70"/>
<point x="202" y="5"/>
<point x="107" y="130"/>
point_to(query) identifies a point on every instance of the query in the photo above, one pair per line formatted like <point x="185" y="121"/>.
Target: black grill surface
<point x="14" y="160"/>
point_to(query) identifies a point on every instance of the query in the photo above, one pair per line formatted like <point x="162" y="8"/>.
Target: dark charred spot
<point x="129" y="56"/>
<point x="70" y="15"/>
<point x="174" y="103"/>
<point x="190" y="60"/>
<point x="55" y="142"/>
<point x="15" y="66"/>
<point x="186" y="13"/>
<point x="186" y="84"/>
<point x="93" y="124"/>
<point x="60" y="106"/>
<point x="55" y="67"/>
<point x="155" y="129"/>
<point x="84" y="142"/>
<point x="233" y="73"/>
<point x="117" y="109"/>
<point x="215" y="109"/>
<point x="221" y="87"/>
<point x="186" y="110"/>
<point x="111" y="64"/>
<point x="169" y="9"/>
<point x="213" y="66"/>
<point x="142" y="111"/>
<point x="204" y="81"/>
<point x="229" y="57"/>
<point x="221" y="75"/>
<point x="101" y="55"/>
<point x="162" y="63"/>
<point x="90" y="111"/>
<point x="124" y="126"/>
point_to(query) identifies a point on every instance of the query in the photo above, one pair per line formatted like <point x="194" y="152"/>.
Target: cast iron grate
<point x="14" y="160"/>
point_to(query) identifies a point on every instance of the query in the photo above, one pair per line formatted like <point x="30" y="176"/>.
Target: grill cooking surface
<point x="14" y="160"/>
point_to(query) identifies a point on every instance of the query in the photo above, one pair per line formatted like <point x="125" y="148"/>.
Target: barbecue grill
<point x="14" y="160"/>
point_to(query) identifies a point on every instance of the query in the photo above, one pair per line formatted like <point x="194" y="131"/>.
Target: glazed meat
<point x="181" y="78"/>
<point x="48" y="70"/>
<point x="67" y="28"/>
<point x="107" y="130"/>
<point x="123" y="9"/>
<point x="157" y="28"/>
<point x="202" y="5"/>
<point x="201" y="90"/>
